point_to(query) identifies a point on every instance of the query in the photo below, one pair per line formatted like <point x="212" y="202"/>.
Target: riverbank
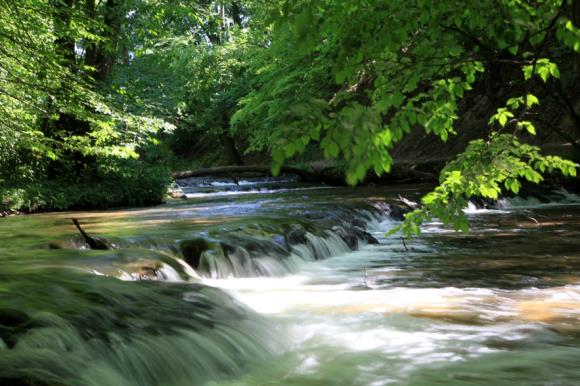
<point x="136" y="184"/>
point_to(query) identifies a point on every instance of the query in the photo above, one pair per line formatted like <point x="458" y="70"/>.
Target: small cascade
<point x="199" y="187"/>
<point x="529" y="200"/>
<point x="539" y="199"/>
<point x="242" y="254"/>
<point x="273" y="247"/>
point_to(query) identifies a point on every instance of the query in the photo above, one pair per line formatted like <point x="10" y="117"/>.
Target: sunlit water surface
<point x="497" y="306"/>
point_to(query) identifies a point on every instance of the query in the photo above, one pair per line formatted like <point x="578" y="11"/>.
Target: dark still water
<point x="272" y="282"/>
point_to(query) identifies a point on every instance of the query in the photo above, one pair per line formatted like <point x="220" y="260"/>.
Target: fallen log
<point x="401" y="173"/>
<point x="305" y="175"/>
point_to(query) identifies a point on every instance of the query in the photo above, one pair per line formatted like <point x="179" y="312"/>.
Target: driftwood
<point x="93" y="242"/>
<point x="305" y="175"/>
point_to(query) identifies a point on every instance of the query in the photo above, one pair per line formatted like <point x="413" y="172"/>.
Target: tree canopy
<point x="83" y="81"/>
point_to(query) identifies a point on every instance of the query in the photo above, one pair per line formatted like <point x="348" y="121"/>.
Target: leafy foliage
<point x="485" y="169"/>
<point x="57" y="120"/>
<point x="399" y="66"/>
<point x="85" y="84"/>
<point x="120" y="183"/>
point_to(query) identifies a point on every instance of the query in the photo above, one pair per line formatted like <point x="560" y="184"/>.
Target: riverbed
<point x="274" y="282"/>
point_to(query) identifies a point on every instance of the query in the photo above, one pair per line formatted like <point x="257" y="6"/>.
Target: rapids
<point x="274" y="282"/>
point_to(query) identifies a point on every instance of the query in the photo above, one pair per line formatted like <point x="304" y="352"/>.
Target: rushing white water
<point x="497" y="306"/>
<point x="351" y="324"/>
<point x="249" y="191"/>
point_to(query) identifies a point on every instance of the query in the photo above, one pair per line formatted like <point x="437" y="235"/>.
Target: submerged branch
<point x="93" y="242"/>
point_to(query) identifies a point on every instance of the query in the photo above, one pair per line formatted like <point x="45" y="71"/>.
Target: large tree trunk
<point x="101" y="55"/>
<point x="237" y="13"/>
<point x="231" y="152"/>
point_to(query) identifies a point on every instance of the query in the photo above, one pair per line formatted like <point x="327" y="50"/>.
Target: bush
<point x="119" y="183"/>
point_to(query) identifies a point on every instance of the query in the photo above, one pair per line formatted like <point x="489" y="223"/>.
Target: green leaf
<point x="528" y="70"/>
<point x="544" y="73"/>
<point x="531" y="100"/>
<point x="332" y="150"/>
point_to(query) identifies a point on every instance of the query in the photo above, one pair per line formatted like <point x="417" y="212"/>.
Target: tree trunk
<point x="101" y="55"/>
<point x="231" y="152"/>
<point x="232" y="155"/>
<point x="576" y="21"/>
<point x="236" y="14"/>
<point x="62" y="18"/>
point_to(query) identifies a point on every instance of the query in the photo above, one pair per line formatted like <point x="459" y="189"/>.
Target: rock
<point x="395" y="211"/>
<point x="296" y="235"/>
<point x="279" y="239"/>
<point x="358" y="222"/>
<point x="191" y="250"/>
<point x="347" y="236"/>
<point x="365" y="236"/>
<point x="352" y="234"/>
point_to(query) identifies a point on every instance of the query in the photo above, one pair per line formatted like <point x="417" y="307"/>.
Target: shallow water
<point x="500" y="305"/>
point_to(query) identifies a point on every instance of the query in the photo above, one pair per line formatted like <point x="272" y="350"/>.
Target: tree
<point x="55" y="56"/>
<point x="399" y="66"/>
<point x="192" y="75"/>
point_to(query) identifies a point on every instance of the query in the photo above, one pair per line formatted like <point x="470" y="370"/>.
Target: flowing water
<point x="273" y="282"/>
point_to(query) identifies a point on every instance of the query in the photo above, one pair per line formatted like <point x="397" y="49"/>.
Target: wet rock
<point x="191" y="250"/>
<point x="296" y="235"/>
<point x="396" y="211"/>
<point x="358" y="222"/>
<point x="279" y="239"/>
<point x="347" y="236"/>
<point x="59" y="244"/>
<point x="143" y="270"/>
<point x="352" y="234"/>
<point x="365" y="236"/>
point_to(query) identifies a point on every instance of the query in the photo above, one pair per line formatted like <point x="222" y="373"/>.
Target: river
<point x="274" y="282"/>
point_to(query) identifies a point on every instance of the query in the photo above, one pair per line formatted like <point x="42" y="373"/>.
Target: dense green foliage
<point x="62" y="135"/>
<point x="402" y="66"/>
<point x="87" y="84"/>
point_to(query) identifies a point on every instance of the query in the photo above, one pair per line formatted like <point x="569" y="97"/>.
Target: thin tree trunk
<point x="231" y="152"/>
<point x="236" y="13"/>
<point x="576" y="21"/>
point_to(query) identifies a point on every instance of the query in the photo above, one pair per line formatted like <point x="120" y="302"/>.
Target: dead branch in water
<point x="93" y="243"/>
